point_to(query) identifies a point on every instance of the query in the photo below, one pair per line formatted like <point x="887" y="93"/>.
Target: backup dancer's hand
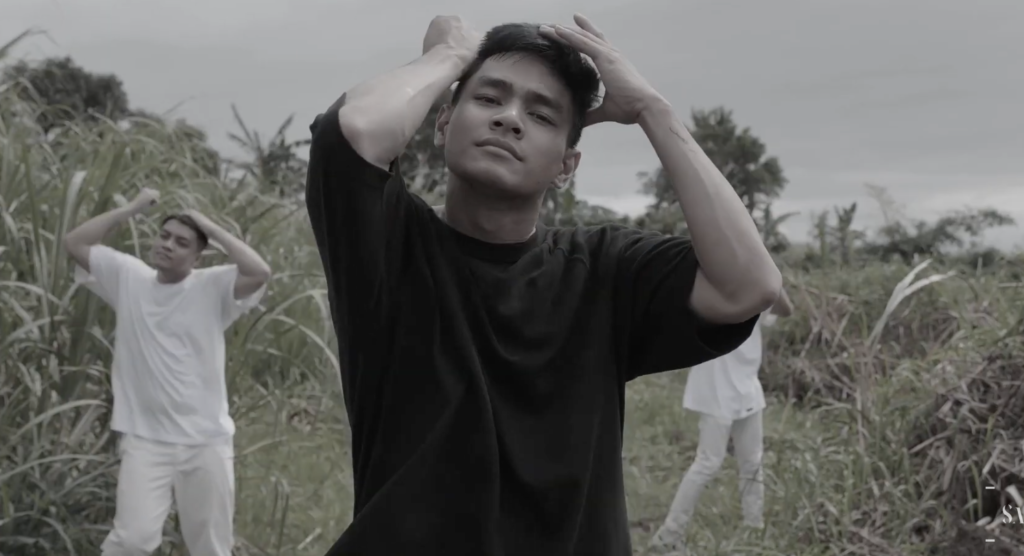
<point x="145" y="199"/>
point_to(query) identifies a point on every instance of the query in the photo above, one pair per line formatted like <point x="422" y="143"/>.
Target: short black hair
<point x="566" y="62"/>
<point x="189" y="223"/>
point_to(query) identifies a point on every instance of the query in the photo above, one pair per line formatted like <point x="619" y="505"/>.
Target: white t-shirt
<point x="168" y="369"/>
<point x="728" y="386"/>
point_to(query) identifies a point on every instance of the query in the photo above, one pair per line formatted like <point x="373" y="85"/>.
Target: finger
<point x="588" y="26"/>
<point x="588" y="35"/>
<point x="588" y="47"/>
<point x="598" y="42"/>
<point x="577" y="39"/>
<point x="550" y="33"/>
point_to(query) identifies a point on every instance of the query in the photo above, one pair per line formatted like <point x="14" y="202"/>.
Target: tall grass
<point x="55" y="342"/>
<point x="852" y="375"/>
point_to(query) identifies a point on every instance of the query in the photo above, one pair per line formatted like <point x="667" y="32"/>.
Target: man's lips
<point x="501" y="144"/>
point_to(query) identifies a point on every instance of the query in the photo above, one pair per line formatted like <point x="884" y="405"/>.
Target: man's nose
<point x="508" y="120"/>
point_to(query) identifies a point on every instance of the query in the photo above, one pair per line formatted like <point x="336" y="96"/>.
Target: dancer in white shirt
<point x="170" y="393"/>
<point x="730" y="400"/>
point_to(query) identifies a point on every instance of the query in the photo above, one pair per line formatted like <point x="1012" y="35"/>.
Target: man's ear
<point x="444" y="115"/>
<point x="196" y="259"/>
<point x="570" y="163"/>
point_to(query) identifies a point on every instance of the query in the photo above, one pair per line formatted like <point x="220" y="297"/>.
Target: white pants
<point x="199" y="479"/>
<point x="748" y="440"/>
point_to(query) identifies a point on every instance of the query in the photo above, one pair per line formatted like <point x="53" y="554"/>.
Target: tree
<point x="191" y="137"/>
<point x="663" y="215"/>
<point x="907" y="238"/>
<point x="656" y="185"/>
<point x="844" y="236"/>
<point x="741" y="157"/>
<point x="423" y="164"/>
<point x="956" y="229"/>
<point x="839" y="239"/>
<point x="562" y="208"/>
<point x="665" y="219"/>
<point x="67" y="91"/>
<point x="770" y="227"/>
<point x="274" y="165"/>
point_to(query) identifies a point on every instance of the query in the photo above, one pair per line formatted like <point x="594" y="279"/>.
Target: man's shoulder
<point x="101" y="255"/>
<point x="608" y="239"/>
<point x="217" y="269"/>
<point x="330" y="114"/>
<point x="215" y="275"/>
<point x="107" y="252"/>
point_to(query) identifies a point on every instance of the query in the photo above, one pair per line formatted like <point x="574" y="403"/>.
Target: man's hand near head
<point x="378" y="117"/>
<point x="737" y="279"/>
<point x="80" y="240"/>
<point x="451" y="32"/>
<point x="627" y="93"/>
<point x="253" y="271"/>
<point x="145" y="200"/>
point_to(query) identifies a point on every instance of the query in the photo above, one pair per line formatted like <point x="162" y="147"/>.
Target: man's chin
<point x="491" y="179"/>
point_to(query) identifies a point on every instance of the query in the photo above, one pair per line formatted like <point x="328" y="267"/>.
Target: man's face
<point x="176" y="249"/>
<point x="510" y="127"/>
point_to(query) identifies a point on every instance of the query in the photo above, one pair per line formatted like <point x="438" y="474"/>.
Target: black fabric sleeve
<point x="654" y="280"/>
<point x="360" y="215"/>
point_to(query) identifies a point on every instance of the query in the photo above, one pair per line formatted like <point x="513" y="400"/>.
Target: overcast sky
<point x="923" y="97"/>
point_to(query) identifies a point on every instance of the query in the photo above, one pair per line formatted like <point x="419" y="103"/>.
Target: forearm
<point x="248" y="261"/>
<point x="726" y="240"/>
<point x="92" y="231"/>
<point x="380" y="116"/>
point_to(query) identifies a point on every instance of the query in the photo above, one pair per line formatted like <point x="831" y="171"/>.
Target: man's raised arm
<point x="253" y="271"/>
<point x="380" y="116"/>
<point x="79" y="241"/>
<point x="358" y="205"/>
<point x="737" y="278"/>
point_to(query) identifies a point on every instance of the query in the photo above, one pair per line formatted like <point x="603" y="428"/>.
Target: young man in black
<point x="484" y="357"/>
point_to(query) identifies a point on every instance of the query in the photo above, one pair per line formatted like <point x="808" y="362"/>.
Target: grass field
<point x="850" y="398"/>
<point x="839" y="476"/>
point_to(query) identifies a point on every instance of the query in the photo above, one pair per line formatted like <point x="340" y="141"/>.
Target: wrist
<point x="204" y="224"/>
<point x="655" y="110"/>
<point x="458" y="59"/>
<point x="210" y="228"/>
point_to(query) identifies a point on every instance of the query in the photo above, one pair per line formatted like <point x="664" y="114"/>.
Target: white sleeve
<point x="109" y="269"/>
<point x="221" y="280"/>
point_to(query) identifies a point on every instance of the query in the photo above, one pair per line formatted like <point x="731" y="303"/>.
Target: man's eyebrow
<point x="496" y="83"/>
<point x="535" y="97"/>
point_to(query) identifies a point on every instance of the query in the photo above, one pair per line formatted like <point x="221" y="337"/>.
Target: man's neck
<point x="165" y="277"/>
<point x="489" y="219"/>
